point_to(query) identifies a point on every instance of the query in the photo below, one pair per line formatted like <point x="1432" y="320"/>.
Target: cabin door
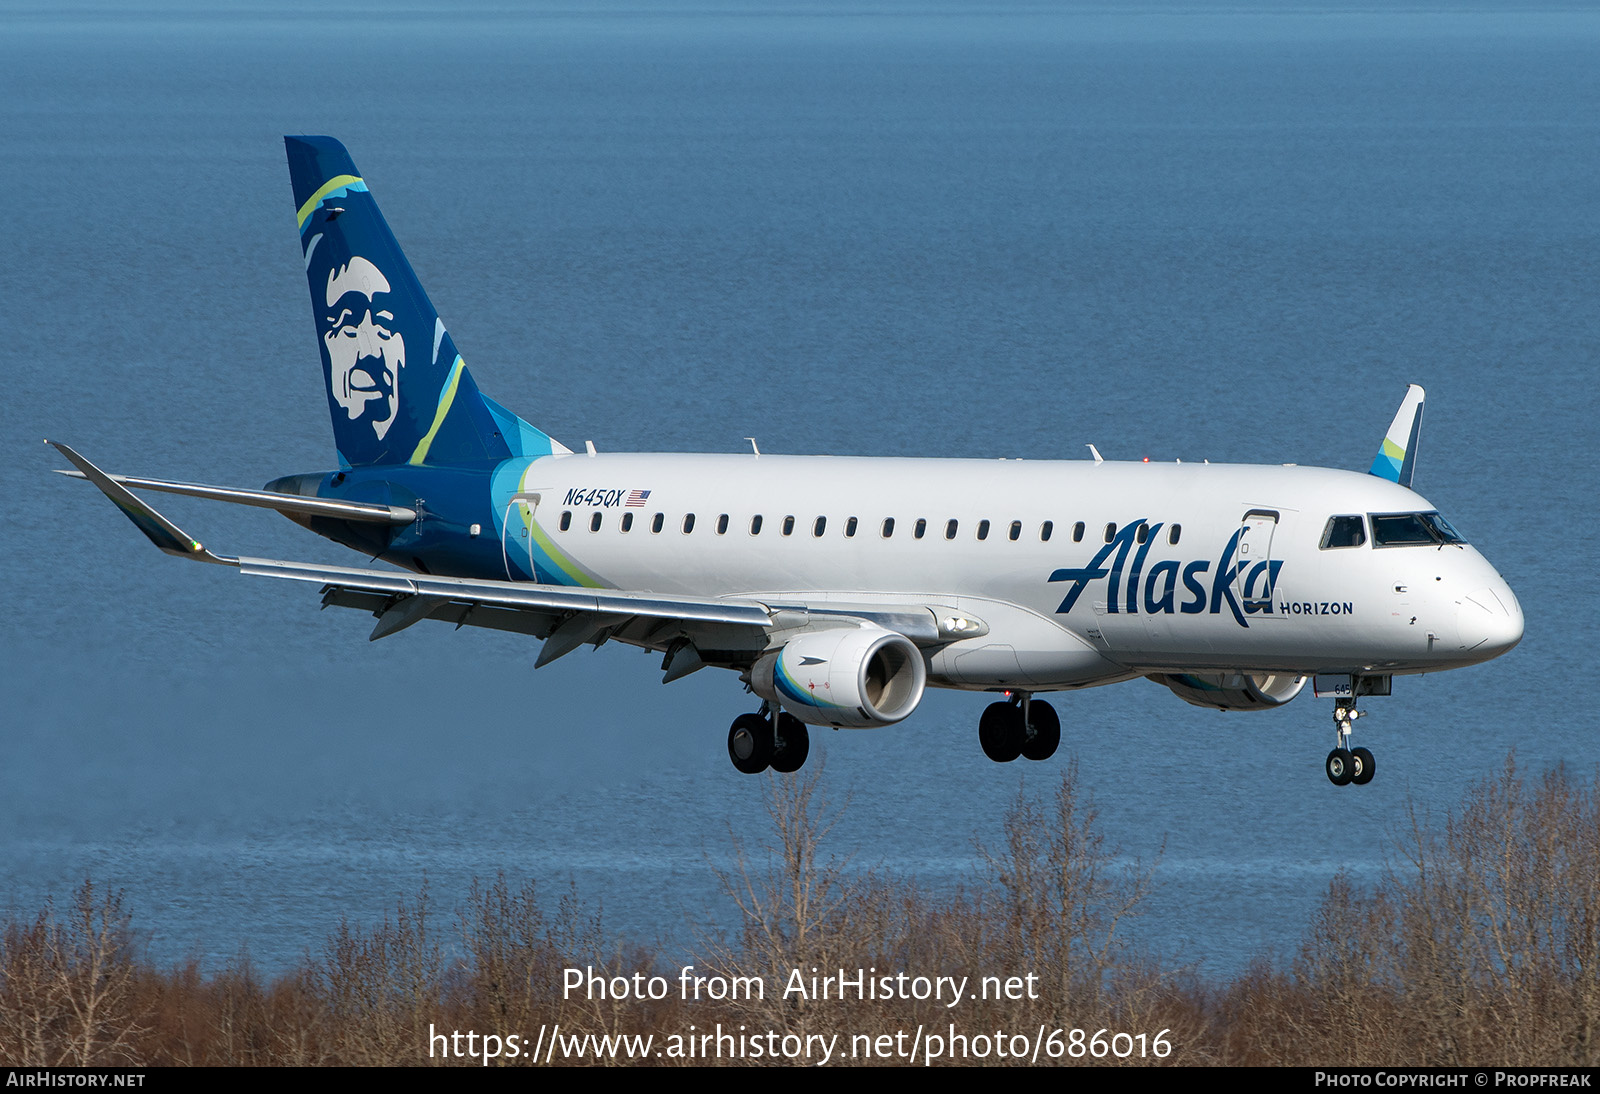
<point x="1252" y="581"/>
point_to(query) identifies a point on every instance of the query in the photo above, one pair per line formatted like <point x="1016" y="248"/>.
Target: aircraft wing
<point x="563" y="617"/>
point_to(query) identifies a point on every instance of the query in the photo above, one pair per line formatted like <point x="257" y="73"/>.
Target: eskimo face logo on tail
<point x="1156" y="591"/>
<point x="365" y="351"/>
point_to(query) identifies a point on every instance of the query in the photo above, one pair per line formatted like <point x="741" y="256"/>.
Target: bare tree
<point x="1064" y="896"/>
<point x="517" y="955"/>
<point x="381" y="986"/>
<point x="1499" y="920"/>
<point x="794" y="900"/>
<point x="66" y="995"/>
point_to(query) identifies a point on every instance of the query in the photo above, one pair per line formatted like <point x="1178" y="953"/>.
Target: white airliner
<point x="840" y="588"/>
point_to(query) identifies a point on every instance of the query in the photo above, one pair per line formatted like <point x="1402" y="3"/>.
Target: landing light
<point x="960" y="626"/>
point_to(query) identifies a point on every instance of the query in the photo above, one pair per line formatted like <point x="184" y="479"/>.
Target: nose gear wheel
<point x="1346" y="765"/>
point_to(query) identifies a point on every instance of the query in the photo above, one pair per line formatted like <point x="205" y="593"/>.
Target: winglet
<point x="157" y="528"/>
<point x="1397" y="456"/>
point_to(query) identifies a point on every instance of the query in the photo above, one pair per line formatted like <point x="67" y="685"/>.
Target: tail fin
<point x="397" y="389"/>
<point x="1397" y="456"/>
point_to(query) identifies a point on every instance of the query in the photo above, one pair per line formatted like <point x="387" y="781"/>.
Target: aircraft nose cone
<point x="1489" y="621"/>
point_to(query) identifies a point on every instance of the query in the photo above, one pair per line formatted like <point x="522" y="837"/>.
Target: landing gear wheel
<point x="1340" y="767"/>
<point x="750" y="743"/>
<point x="1043" y="732"/>
<point x="792" y="746"/>
<point x="1001" y="732"/>
<point x="1364" y="767"/>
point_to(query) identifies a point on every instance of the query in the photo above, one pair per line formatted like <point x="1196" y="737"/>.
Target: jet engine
<point x="846" y="677"/>
<point x="1233" y="690"/>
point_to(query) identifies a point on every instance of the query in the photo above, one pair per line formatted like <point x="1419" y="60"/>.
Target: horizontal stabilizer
<point x="157" y="528"/>
<point x="1397" y="456"/>
<point x="269" y="499"/>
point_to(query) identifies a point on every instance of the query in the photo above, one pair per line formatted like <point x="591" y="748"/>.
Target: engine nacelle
<point x="850" y="677"/>
<point x="1233" y="690"/>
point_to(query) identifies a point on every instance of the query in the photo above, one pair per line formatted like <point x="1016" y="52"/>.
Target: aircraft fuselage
<point x="1083" y="572"/>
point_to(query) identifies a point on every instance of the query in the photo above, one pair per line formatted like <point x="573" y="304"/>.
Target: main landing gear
<point x="1347" y="765"/>
<point x="755" y="743"/>
<point x="1019" y="726"/>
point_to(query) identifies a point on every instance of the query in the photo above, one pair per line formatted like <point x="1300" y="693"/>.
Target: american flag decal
<point x="636" y="499"/>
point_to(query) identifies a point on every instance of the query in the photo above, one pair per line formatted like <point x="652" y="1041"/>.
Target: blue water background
<point x="1194" y="230"/>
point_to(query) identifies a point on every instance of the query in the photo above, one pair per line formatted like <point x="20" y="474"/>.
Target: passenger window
<point x="755" y="526"/>
<point x="722" y="525"/>
<point x="950" y="529"/>
<point x="1111" y="532"/>
<point x="921" y="528"/>
<point x="566" y="520"/>
<point x="1344" y="532"/>
<point x="688" y="523"/>
<point x="821" y="526"/>
<point x="1173" y="533"/>
<point x="1077" y="532"/>
<point x="1045" y="529"/>
<point x="983" y="529"/>
<point x="1143" y="533"/>
<point x="788" y="526"/>
<point x="627" y="522"/>
<point x="594" y="523"/>
<point x="888" y="527"/>
<point x="659" y="521"/>
<point x="1016" y="530"/>
<point x="850" y="528"/>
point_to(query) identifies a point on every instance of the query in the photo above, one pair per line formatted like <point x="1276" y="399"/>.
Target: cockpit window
<point x="1444" y="528"/>
<point x="1412" y="530"/>
<point x="1344" y="532"/>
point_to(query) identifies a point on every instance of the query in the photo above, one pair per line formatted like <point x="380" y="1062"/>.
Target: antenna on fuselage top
<point x="1095" y="452"/>
<point x="753" y="447"/>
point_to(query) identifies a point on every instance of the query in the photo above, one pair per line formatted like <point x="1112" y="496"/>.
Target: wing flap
<point x="520" y="595"/>
<point x="512" y="620"/>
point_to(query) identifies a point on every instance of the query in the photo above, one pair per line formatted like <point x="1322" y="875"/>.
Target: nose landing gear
<point x="1020" y="726"/>
<point x="758" y="741"/>
<point x="1346" y="765"/>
